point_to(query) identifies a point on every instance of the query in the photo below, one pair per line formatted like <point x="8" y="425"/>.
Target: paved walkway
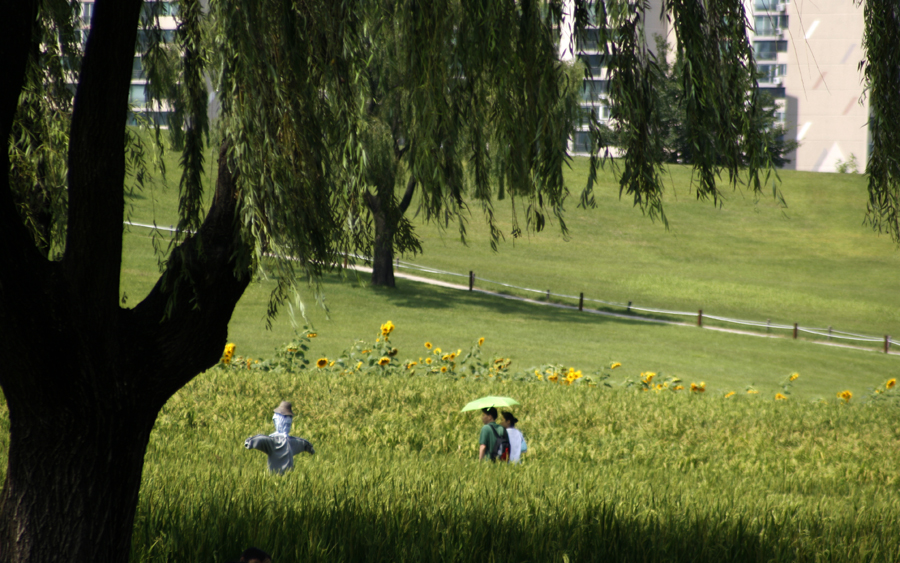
<point x="630" y="317"/>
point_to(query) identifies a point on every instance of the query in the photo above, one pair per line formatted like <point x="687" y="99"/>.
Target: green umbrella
<point x="487" y="402"/>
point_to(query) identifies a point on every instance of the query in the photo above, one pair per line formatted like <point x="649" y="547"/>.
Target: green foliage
<point x="850" y="166"/>
<point x="881" y="69"/>
<point x="674" y="140"/>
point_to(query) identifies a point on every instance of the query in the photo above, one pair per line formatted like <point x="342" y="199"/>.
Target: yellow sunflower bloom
<point x="481" y="341"/>
<point x="752" y="391"/>
<point x="443" y="369"/>
<point x="553" y="378"/>
<point x="780" y="397"/>
<point x="321" y="362"/>
<point x="437" y="351"/>
<point x="731" y="394"/>
<point x="312" y="335"/>
<point x="845" y="395"/>
<point x="615" y="365"/>
<point x="358" y="365"/>
<point x="428" y="345"/>
<point x="445" y="357"/>
<point x="890" y="383"/>
<point x="794" y="376"/>
<point x="427" y="360"/>
<point x="384" y="361"/>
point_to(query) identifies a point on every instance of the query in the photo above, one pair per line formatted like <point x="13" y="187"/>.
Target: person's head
<point x="255" y="555"/>
<point x="509" y="421"/>
<point x="283" y="417"/>
<point x="488" y="415"/>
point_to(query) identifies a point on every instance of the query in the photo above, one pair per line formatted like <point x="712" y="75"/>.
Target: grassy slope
<point x="814" y="263"/>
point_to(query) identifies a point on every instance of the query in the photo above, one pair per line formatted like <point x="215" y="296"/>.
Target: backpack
<point x="502" y="449"/>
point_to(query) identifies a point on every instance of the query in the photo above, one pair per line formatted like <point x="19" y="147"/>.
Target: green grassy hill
<point x="813" y="262"/>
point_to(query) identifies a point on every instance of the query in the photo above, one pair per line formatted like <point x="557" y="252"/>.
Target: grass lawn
<point x="812" y="262"/>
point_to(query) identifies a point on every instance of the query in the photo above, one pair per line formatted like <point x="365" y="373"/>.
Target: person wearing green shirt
<point x="490" y="434"/>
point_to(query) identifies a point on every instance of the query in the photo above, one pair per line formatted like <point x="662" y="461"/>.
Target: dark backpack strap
<point x="494" y="453"/>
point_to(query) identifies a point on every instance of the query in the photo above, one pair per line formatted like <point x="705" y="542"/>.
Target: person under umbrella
<point x="280" y="446"/>
<point x="516" y="441"/>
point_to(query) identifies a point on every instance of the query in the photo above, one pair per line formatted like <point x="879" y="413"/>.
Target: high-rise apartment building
<point x="808" y="54"/>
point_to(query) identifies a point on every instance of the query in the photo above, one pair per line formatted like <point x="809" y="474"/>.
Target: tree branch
<point x="97" y="160"/>
<point x="407" y="196"/>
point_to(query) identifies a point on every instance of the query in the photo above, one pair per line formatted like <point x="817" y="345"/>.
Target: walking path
<point x="630" y="317"/>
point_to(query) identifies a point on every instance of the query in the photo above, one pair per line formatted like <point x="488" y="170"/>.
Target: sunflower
<point x="428" y="345"/>
<point x="443" y="369"/>
<point x="845" y="395"/>
<point x="312" y="335"/>
<point x="428" y="361"/>
<point x="780" y="397"/>
<point x="481" y="341"/>
<point x="615" y="365"/>
<point x="890" y="383"/>
<point x="445" y="357"/>
<point x="752" y="391"/>
<point x="698" y="388"/>
<point x="411" y="365"/>
<point x="437" y="351"/>
<point x="384" y="361"/>
<point x="553" y="377"/>
<point x="794" y="376"/>
<point x="321" y="362"/>
<point x="386" y="329"/>
<point x="731" y="394"/>
<point x="358" y="365"/>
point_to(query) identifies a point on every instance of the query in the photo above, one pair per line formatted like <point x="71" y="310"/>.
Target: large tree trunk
<point x="83" y="399"/>
<point x="386" y="215"/>
<point x="83" y="378"/>
<point x="383" y="245"/>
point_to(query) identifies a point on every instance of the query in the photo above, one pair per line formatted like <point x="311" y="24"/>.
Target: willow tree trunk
<point x="386" y="216"/>
<point x="83" y="378"/>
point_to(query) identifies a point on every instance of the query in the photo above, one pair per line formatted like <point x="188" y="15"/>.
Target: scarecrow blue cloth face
<point x="282" y="423"/>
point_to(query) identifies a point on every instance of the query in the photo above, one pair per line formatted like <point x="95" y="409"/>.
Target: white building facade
<point x="808" y="54"/>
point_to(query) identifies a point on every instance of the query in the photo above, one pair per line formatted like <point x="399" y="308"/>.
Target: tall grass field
<point x="646" y="442"/>
<point x="611" y="474"/>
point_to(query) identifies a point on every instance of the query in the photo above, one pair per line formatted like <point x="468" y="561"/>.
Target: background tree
<point x="291" y="170"/>
<point x="673" y="124"/>
<point x="507" y="119"/>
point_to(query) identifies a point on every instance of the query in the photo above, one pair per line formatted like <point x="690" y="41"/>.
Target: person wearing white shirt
<point x="516" y="440"/>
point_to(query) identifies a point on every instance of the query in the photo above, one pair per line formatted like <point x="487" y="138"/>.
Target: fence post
<point x="581" y="302"/>
<point x="795" y="331"/>
<point x="768" y="325"/>
<point x="471" y="280"/>
<point x="548" y="295"/>
<point x="628" y="310"/>
<point x="700" y="317"/>
<point x="887" y="344"/>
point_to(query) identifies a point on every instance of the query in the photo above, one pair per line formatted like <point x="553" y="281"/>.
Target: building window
<point x="137" y="95"/>
<point x="768" y="72"/>
<point x="768" y="50"/>
<point x="768" y="5"/>
<point x="770" y="25"/>
<point x="594" y="90"/>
